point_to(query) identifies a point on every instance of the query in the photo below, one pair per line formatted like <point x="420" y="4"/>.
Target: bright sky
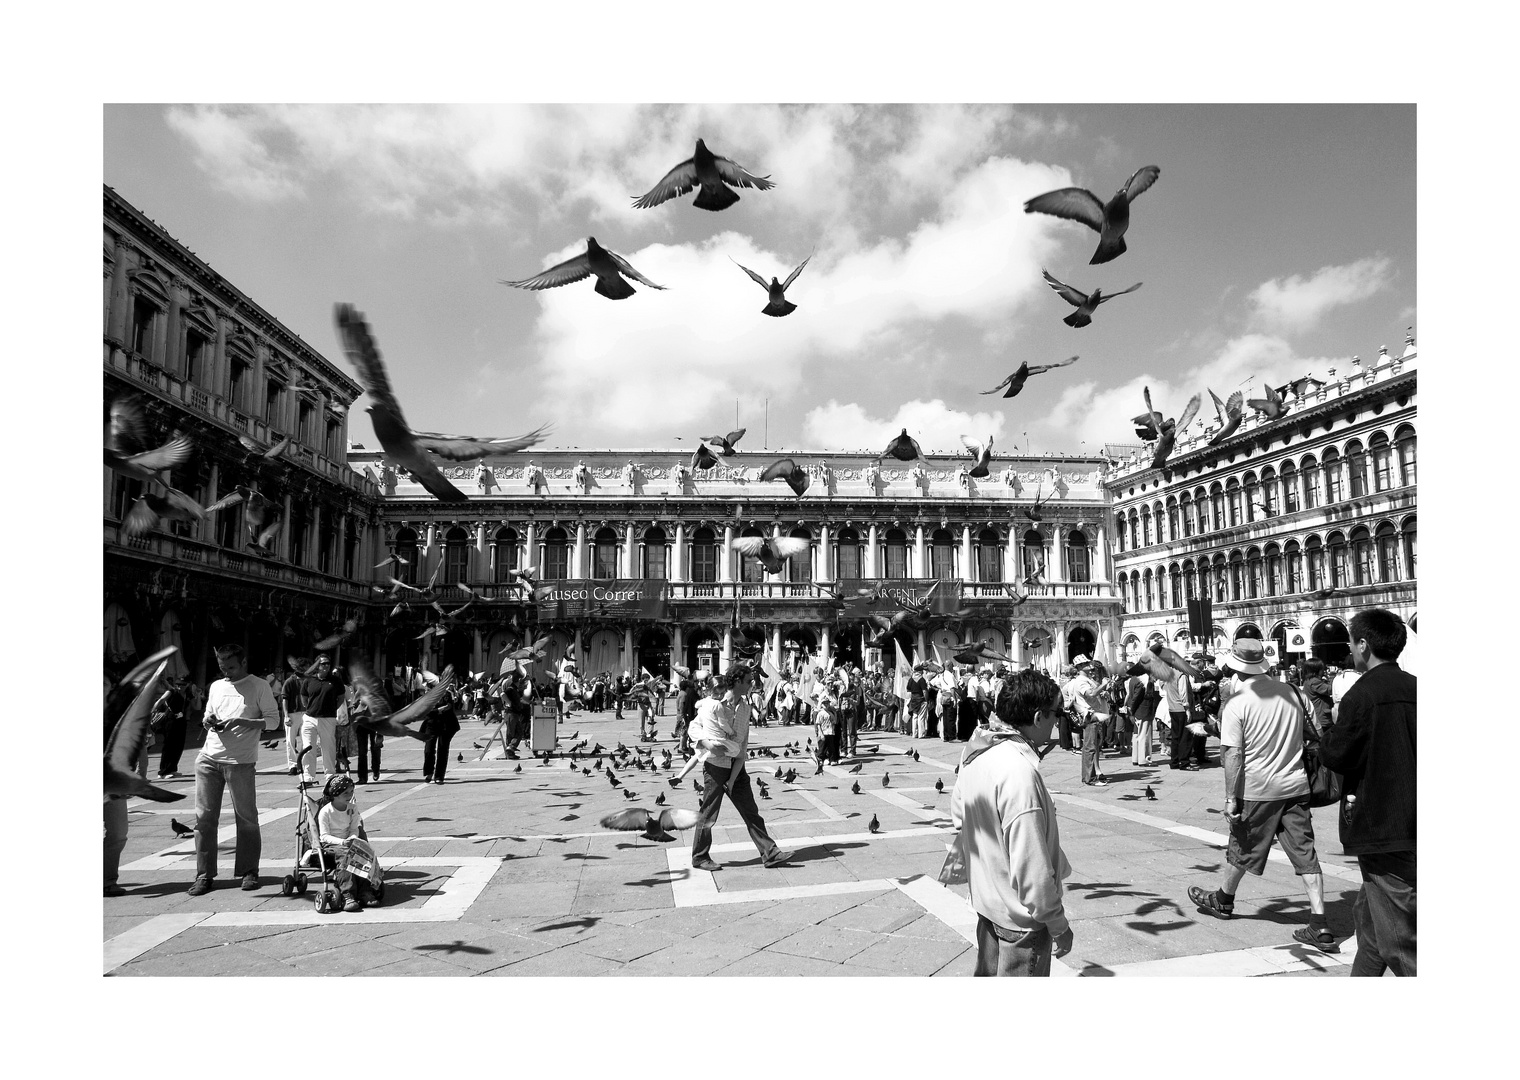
<point x="1278" y="240"/>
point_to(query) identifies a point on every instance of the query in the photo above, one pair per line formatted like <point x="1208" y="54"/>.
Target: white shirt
<point x="247" y="699"/>
<point x="1264" y="717"/>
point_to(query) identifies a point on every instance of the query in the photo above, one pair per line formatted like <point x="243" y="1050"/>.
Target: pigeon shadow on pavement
<point x="585" y="923"/>
<point x="1154" y="928"/>
<point x="453" y="947"/>
<point x="580" y="855"/>
<point x="1095" y="971"/>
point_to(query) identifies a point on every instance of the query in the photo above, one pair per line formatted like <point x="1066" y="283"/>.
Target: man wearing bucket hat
<point x="1093" y="708"/>
<point x="1266" y="794"/>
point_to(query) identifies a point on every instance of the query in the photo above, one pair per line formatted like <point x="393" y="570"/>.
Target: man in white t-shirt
<point x="1266" y="794"/>
<point x="237" y="708"/>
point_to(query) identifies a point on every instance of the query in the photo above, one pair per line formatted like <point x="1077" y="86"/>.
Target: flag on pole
<point x="805" y="679"/>
<point x="900" y="680"/>
<point x="772" y="680"/>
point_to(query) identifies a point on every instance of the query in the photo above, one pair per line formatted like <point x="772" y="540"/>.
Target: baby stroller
<point x="310" y="855"/>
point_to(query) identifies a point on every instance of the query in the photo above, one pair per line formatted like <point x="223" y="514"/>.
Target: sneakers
<point x="250" y="882"/>
<point x="352" y="904"/>
<point x="292" y="771"/>
<point x="1099" y="782"/>
<point x="705" y="864"/>
<point x="1209" y="903"/>
<point x="1323" y="940"/>
<point x="779" y="858"/>
<point x="113" y="889"/>
<point x="200" y="886"/>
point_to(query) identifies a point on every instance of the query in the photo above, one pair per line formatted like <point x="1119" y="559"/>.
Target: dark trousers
<point x="1065" y="728"/>
<point x="849" y="725"/>
<point x="116" y="837"/>
<point x="1003" y="952"/>
<point x="174" y="745"/>
<point x="931" y="723"/>
<point x="682" y="739"/>
<point x="968" y="712"/>
<point x="1092" y="745"/>
<point x="947" y="715"/>
<point x="1182" y="740"/>
<point x="370" y="743"/>
<point x="1385" y="914"/>
<point x="828" y="749"/>
<point x="435" y="756"/>
<point x="714" y="787"/>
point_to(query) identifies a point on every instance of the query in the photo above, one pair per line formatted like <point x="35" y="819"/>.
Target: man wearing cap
<point x="322" y="692"/>
<point x="724" y="736"/>
<point x="238" y="706"/>
<point x="1093" y="709"/>
<point x="1266" y="792"/>
<point x="1372" y="745"/>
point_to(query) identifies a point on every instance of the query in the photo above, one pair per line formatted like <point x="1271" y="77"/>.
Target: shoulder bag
<point x="1325" y="785"/>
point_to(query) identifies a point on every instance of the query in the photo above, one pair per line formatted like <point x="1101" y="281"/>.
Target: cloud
<point x="937" y="427"/>
<point x="677" y="354"/>
<point x="1298" y="303"/>
<point x="1085" y="412"/>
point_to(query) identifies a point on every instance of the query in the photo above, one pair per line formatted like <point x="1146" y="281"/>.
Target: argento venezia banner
<point x="944" y="599"/>
<point x="571" y="600"/>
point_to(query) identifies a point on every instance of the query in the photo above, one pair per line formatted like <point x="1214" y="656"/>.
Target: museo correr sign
<point x="618" y="598"/>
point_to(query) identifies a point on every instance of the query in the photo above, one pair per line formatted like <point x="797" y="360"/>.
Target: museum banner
<point x="568" y="601"/>
<point x="943" y="600"/>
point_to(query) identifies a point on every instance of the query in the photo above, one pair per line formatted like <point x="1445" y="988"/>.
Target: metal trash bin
<point x="545" y="733"/>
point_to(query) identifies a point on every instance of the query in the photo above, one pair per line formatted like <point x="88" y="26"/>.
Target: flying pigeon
<point x="1085" y="303"/>
<point x="608" y="267"/>
<point x="1271" y="406"/>
<point x="146" y="513"/>
<point x="1034" y="513"/>
<point x="712" y="173"/>
<point x="724" y="444"/>
<point x="1230" y="415"/>
<point x="126" y="445"/>
<point x="1109" y="222"/>
<point x="981" y="453"/>
<point x="334" y="640"/>
<point x="1015" y="382"/>
<point x="653" y="826"/>
<point x="269" y="454"/>
<point x="771" y="551"/>
<point x="786" y="469"/>
<point x="127" y="738"/>
<point x="381" y="719"/>
<point x="703" y="459"/>
<point x="903" y="448"/>
<point x="1169" y="430"/>
<point x="778" y="305"/>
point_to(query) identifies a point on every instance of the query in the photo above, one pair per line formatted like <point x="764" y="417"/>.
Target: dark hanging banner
<point x="618" y="599"/>
<point x="945" y="599"/>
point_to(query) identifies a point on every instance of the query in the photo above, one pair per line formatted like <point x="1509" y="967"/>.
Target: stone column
<point x="284" y="551"/>
<point x="120" y="311"/>
<point x="314" y="536"/>
<point x="728" y="645"/>
<point x="1015" y="644"/>
<point x="1106" y="642"/>
<point x="968" y="557"/>
<point x="678" y="556"/>
<point x="1011" y="556"/>
<point x="729" y="569"/>
<point x="580" y="652"/>
<point x="1100" y="554"/>
<point x="677" y="648"/>
<point x="872" y="567"/>
<point x="920" y="553"/>
<point x="479" y="563"/>
<point x="256" y="380"/>
<point x="477" y="652"/>
<point x="775" y="647"/>
<point x="578" y="568"/>
<point x="629" y="570"/>
<point x="922" y="642"/>
<point x="221" y="367"/>
<point x="823" y="645"/>
<point x="174" y="336"/>
<point x="207" y="529"/>
<point x="530" y="546"/>
<point x="1058" y="556"/>
<point x="1060" y="658"/>
<point x="628" y="661"/>
<point x="823" y="573"/>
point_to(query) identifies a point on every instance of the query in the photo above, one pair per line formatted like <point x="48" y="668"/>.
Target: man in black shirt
<point x="321" y="694"/>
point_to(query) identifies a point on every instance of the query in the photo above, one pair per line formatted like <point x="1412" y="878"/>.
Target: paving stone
<point x="882" y="914"/>
<point x="909" y="956"/>
<point x="929" y="927"/>
<point x="351" y="958"/>
<point x="755" y="932"/>
<point x="558" y="962"/>
<point x="779" y="964"/>
<point x="823" y="943"/>
<point x="688" y="958"/>
<point x="624" y="944"/>
<point x="308" y="940"/>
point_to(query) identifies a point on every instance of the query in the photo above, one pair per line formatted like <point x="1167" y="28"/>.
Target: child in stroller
<point x="341" y="829"/>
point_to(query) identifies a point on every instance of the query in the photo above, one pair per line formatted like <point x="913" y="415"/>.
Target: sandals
<point x="1323" y="940"/>
<point x="1208" y="902"/>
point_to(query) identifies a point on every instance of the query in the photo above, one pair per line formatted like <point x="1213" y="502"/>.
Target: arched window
<point x="1173" y="521"/>
<point x="406" y="554"/>
<point x="1237" y="576"/>
<point x="1232" y="498"/>
<point x="704" y="555"/>
<point x="1221" y="579"/>
<point x="556" y="558"/>
<point x="896" y="547"/>
<point x="802" y="562"/>
<point x="1312" y="483"/>
<point x="604" y="555"/>
<point x="1174" y="581"/>
<point x="1145" y="527"/>
<point x="1387" y="553"/>
<point x="1382" y="462"/>
<point x="1134" y="529"/>
<point x="1363" y="569"/>
<point x="942" y="555"/>
<point x="1409" y="546"/>
<point x="145" y="314"/>
<point x="750" y="569"/>
<point x="1274" y="576"/>
<point x="1034" y="554"/>
<point x="1356" y="465"/>
<point x="1314" y="552"/>
<point x="1269" y="501"/>
<point x="1335" y="487"/>
<point x="655" y="557"/>
<point x="1119" y="535"/>
<point x="1340" y="569"/>
<point x="1149" y="595"/>
<point x="1293" y="568"/>
<point x="1189" y="580"/>
<point x="456" y="556"/>
<point x="1123" y="585"/>
<point x="1186" y="510"/>
<point x="847" y="561"/>
<point x="1158" y="515"/>
<point x="503" y="554"/>
<point x="1078" y="566"/>
<point x="1404" y="442"/>
<point x="1290" y="488"/>
<point x="989" y="556"/>
<point x="1252" y="492"/>
<point x="1201" y="511"/>
<point x="1254" y="586"/>
<point x="1216" y="498"/>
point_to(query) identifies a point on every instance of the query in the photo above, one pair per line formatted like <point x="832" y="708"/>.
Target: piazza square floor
<point x="506" y="872"/>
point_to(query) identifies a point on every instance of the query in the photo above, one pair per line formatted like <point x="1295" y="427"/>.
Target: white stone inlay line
<point x="130" y="944"/>
<point x="823" y="807"/>
<point x="955" y="912"/>
<point x="1214" y="839"/>
<point x="172" y="856"/>
<point x="1261" y="960"/>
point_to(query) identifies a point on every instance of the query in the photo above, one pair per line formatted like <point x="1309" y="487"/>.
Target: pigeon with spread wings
<point x="653" y="826"/>
<point x="772" y="551"/>
<point x="1085" y="303"/>
<point x="261" y="515"/>
<point x="267" y="453"/>
<point x="1109" y="221"/>
<point x="1231" y="413"/>
<point x="981" y="453"/>
<point x="128" y="737"/>
<point x="1015" y="382"/>
<point x="396" y="438"/>
<point x="150" y="509"/>
<point x="608" y="267"/>
<point x="724" y="444"/>
<point x="715" y="175"/>
<point x="126" y="445"/>
<point x="704" y="458"/>
<point x="1036" y="512"/>
<point x="381" y="719"/>
<point x="903" y="447"/>
<point x="1271" y="406"/>
<point x="777" y="305"/>
<point x="796" y="477"/>
<point x="1169" y="430"/>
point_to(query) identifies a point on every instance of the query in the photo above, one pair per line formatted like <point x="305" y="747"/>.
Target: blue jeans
<point x="210" y="779"/>
<point x="1385" y="914"/>
<point x="1092" y="746"/>
<point x="714" y="787"/>
<point x="1011" y="952"/>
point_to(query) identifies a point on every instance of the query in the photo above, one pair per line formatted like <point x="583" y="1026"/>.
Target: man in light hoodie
<point x="1008" y="829"/>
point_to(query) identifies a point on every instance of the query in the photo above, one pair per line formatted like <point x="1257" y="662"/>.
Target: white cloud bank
<point x="937" y="427"/>
<point x="1297" y="303"/>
